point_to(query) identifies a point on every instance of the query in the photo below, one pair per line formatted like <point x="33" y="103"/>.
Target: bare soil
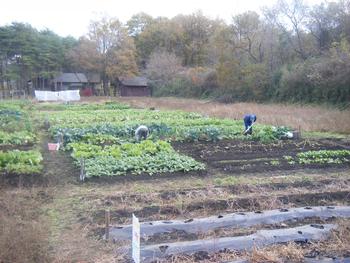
<point x="236" y="157"/>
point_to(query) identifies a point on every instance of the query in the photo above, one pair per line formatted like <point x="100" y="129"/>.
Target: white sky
<point x="72" y="17"/>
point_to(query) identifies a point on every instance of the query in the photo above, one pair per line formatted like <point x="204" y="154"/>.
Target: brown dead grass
<point x="23" y="233"/>
<point x="308" y="118"/>
<point x="71" y="239"/>
<point x="338" y="243"/>
<point x="277" y="254"/>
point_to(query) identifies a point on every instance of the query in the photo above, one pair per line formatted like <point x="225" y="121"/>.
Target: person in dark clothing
<point x="249" y="120"/>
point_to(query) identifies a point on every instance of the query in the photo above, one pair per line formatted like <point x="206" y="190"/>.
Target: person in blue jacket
<point x="249" y="119"/>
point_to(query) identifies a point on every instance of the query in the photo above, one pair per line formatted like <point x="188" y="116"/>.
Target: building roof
<point x="134" y="81"/>
<point x="93" y="77"/>
<point x="71" y="78"/>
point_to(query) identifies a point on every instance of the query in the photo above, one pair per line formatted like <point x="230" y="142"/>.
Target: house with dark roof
<point x="134" y="86"/>
<point x="70" y="81"/>
<point x="86" y="83"/>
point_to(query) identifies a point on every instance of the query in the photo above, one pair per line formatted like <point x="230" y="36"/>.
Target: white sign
<point x="135" y="239"/>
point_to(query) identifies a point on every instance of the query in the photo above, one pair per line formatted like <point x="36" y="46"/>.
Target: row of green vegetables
<point x="15" y="126"/>
<point x="320" y="157"/>
<point x="104" y="159"/>
<point x="172" y="133"/>
<point x="80" y="106"/>
<point x="17" y="138"/>
<point x="16" y="129"/>
<point x="129" y="116"/>
<point x="20" y="162"/>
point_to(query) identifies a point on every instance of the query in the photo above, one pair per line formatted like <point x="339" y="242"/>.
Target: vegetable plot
<point x="145" y="157"/>
<point x="103" y="135"/>
<point x="168" y="125"/>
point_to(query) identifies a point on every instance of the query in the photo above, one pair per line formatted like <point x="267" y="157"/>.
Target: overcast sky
<point x="72" y="17"/>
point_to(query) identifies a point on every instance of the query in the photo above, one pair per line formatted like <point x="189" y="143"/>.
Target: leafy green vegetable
<point x="324" y="156"/>
<point x="150" y="164"/>
<point x="135" y="158"/>
<point x="16" y="138"/>
<point x="20" y="162"/>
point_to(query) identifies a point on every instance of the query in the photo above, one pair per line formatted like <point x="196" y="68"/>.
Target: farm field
<point x="309" y="118"/>
<point x="192" y="166"/>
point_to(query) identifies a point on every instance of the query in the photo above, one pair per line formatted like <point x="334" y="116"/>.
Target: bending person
<point x="141" y="132"/>
<point x="249" y="120"/>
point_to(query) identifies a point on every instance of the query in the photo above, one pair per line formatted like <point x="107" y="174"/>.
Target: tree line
<point x="290" y="52"/>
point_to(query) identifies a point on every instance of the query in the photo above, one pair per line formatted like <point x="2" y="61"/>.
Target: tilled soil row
<point x="218" y="206"/>
<point x="241" y="157"/>
<point x="219" y="190"/>
<point x="243" y="150"/>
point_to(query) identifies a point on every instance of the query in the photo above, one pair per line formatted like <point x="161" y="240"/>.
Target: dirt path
<point x="69" y="240"/>
<point x="58" y="169"/>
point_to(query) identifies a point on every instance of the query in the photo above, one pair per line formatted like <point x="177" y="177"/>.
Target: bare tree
<point x="249" y="32"/>
<point x="291" y="18"/>
<point x="163" y="67"/>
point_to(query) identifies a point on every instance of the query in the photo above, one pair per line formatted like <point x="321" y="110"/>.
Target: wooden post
<point x="82" y="169"/>
<point x="107" y="219"/>
<point x="60" y="139"/>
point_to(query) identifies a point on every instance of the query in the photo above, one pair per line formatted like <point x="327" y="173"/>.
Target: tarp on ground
<point x="66" y="95"/>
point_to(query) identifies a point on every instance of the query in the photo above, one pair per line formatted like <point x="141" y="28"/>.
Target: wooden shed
<point x="70" y="81"/>
<point x="86" y="83"/>
<point x="136" y="86"/>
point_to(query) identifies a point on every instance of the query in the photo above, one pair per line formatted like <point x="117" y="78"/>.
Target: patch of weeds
<point x="274" y="162"/>
<point x="289" y="159"/>
<point x="227" y="181"/>
<point x="142" y="188"/>
<point x="306" y="179"/>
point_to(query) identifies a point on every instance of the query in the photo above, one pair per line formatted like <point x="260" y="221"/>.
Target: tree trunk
<point x="105" y="86"/>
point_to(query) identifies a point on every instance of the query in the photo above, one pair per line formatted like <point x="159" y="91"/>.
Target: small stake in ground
<point x="60" y="139"/>
<point x="107" y="219"/>
<point x="82" y="169"/>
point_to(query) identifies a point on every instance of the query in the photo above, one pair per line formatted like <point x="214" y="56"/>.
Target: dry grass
<point x="23" y="234"/>
<point x="308" y="118"/>
<point x="338" y="243"/>
<point x="71" y="238"/>
<point x="277" y="254"/>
